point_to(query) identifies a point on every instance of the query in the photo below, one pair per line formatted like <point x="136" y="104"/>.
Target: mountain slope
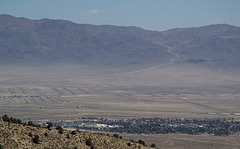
<point x="17" y="136"/>
<point x="45" y="40"/>
<point x="56" y="40"/>
<point x="216" y="45"/>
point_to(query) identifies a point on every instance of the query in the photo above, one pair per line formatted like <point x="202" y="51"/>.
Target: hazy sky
<point x="148" y="14"/>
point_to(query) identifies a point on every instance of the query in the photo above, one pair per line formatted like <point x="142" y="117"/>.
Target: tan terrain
<point x="13" y="136"/>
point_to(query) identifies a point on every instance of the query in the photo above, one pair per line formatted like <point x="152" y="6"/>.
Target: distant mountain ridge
<point x="45" y="40"/>
<point x="56" y="40"/>
<point x="217" y="44"/>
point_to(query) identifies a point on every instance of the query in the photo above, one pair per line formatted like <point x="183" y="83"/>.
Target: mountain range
<point x="52" y="41"/>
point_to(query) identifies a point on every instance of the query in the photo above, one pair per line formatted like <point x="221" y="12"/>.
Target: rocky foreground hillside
<point x="25" y="136"/>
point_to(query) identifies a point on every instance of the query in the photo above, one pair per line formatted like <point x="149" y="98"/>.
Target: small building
<point x="237" y="114"/>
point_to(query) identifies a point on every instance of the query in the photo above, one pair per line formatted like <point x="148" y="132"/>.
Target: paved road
<point x="172" y="61"/>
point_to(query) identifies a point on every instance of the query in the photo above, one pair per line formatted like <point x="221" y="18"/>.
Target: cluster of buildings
<point x="157" y="125"/>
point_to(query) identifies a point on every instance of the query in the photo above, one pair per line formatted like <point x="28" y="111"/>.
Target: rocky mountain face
<point x="45" y="40"/>
<point x="24" y="136"/>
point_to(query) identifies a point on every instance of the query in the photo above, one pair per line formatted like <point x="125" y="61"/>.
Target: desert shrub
<point x="153" y="145"/>
<point x="59" y="127"/>
<point x="141" y="142"/>
<point x="11" y="119"/>
<point x="1" y="146"/>
<point x="78" y="131"/>
<point x="18" y="121"/>
<point x="36" y="139"/>
<point x="30" y="134"/>
<point x="5" y="118"/>
<point x="60" y="131"/>
<point x="46" y="134"/>
<point x="68" y="137"/>
<point x="128" y="144"/>
<point x="50" y="124"/>
<point x="88" y="142"/>
<point x="73" y="132"/>
<point x="115" y="135"/>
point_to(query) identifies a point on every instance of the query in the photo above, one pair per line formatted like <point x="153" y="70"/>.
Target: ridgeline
<point x="15" y="134"/>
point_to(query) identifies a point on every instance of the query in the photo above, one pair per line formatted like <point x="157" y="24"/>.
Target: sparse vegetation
<point x="50" y="124"/>
<point x="30" y="134"/>
<point x="141" y="142"/>
<point x="73" y="132"/>
<point x="21" y="134"/>
<point x="153" y="145"/>
<point x="11" y="119"/>
<point x="36" y="139"/>
<point x="45" y="134"/>
<point x="88" y="142"/>
<point x="68" y="136"/>
<point x="60" y="129"/>
<point x="115" y="135"/>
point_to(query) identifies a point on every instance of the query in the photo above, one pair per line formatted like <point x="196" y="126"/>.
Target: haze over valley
<point x="53" y="70"/>
<point x="57" y="50"/>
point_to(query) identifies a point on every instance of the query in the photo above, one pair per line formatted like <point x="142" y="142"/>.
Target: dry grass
<point x="16" y="136"/>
